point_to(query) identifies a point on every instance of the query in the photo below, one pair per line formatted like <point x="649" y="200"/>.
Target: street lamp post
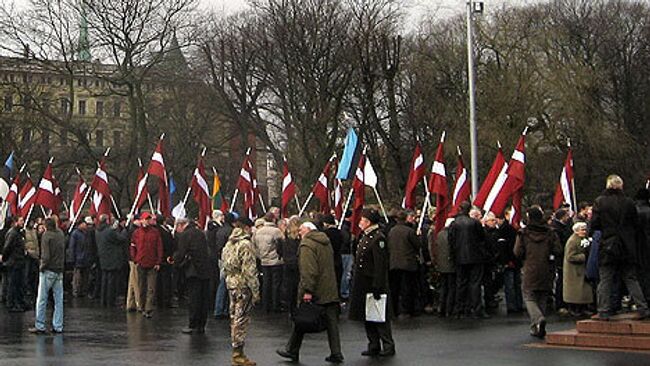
<point x="472" y="8"/>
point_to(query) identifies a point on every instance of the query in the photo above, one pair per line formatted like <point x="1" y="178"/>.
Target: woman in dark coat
<point x="371" y="277"/>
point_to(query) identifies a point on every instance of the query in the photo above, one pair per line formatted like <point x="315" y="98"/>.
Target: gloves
<point x="376" y="293"/>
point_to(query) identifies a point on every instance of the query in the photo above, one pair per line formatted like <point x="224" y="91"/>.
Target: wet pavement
<point x="96" y="336"/>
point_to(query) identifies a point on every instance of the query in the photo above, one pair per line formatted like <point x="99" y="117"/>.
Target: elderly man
<point x="147" y="253"/>
<point x="192" y="257"/>
<point x="318" y="285"/>
<point x="615" y="215"/>
<point x="267" y="240"/>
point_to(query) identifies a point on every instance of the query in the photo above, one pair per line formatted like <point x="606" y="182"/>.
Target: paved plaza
<point x="95" y="336"/>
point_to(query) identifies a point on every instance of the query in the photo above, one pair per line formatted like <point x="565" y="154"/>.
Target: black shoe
<point x="387" y="352"/>
<point x="37" y="331"/>
<point x="370" y="353"/>
<point x="334" y="358"/>
<point x="286" y="354"/>
<point x="601" y="317"/>
<point x="148" y="314"/>
<point x="57" y="331"/>
<point x="187" y="330"/>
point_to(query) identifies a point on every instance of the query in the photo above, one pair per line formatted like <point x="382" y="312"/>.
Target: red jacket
<point x="146" y="247"/>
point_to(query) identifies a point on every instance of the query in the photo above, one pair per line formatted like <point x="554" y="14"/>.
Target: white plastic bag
<point x="376" y="309"/>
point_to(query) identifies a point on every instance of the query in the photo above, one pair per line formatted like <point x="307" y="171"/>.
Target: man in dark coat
<point x="112" y="258"/>
<point x="506" y="237"/>
<point x="165" y="275"/>
<point x="403" y="249"/>
<point x="371" y="277"/>
<point x="467" y="241"/>
<point x="337" y="241"/>
<point x="80" y="246"/>
<point x="536" y="245"/>
<point x="192" y="256"/>
<point x="616" y="216"/>
<point x="642" y="201"/>
<point x="13" y="258"/>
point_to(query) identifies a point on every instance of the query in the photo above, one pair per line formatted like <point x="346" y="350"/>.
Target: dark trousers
<point x="403" y="290"/>
<point x="447" y="293"/>
<point x="332" y="319"/>
<point x="468" y="288"/>
<point x="606" y="285"/>
<point x="31" y="280"/>
<point x="16" y="286"/>
<point x="290" y="280"/>
<point x="199" y="303"/>
<point x="271" y="283"/>
<point x="512" y="289"/>
<point x="379" y="334"/>
<point x="95" y="281"/>
<point x="164" y="290"/>
<point x="559" y="286"/>
<point x="108" y="294"/>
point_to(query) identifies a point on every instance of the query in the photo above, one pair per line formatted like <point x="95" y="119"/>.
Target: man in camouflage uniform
<point x="240" y="269"/>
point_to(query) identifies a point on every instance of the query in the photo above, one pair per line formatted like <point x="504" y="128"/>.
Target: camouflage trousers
<point x="241" y="303"/>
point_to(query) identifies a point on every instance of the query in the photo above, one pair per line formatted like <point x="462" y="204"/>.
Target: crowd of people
<point x="590" y="262"/>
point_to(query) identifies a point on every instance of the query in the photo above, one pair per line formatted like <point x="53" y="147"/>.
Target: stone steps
<point x="625" y="334"/>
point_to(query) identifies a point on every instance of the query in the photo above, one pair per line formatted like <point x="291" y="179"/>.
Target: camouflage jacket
<point x="239" y="262"/>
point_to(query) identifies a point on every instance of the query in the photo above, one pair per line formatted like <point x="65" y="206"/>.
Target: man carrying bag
<point x="318" y="287"/>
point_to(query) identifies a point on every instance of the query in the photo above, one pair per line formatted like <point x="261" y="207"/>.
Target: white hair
<point x="614" y="182"/>
<point x="579" y="226"/>
<point x="309" y="225"/>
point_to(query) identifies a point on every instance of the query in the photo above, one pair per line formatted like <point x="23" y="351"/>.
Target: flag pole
<point x="83" y="202"/>
<point x="573" y="182"/>
<point x="381" y="204"/>
<point x="234" y="200"/>
<point x="145" y="182"/>
<point x="345" y="208"/>
<point x="304" y="207"/>
<point x="424" y="210"/>
<point x="117" y="211"/>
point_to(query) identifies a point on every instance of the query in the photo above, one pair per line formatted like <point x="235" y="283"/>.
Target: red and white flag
<point x="245" y="187"/>
<point x="12" y="196"/>
<point x="321" y="188"/>
<point x="564" y="189"/>
<point x="493" y="183"/>
<point x="46" y="195"/>
<point x="516" y="180"/>
<point x="438" y="187"/>
<point x="77" y="198"/>
<point x="101" y="196"/>
<point x="141" y="189"/>
<point x="157" y="168"/>
<point x="26" y="197"/>
<point x="288" y="189"/>
<point x="338" y="199"/>
<point x="359" y="187"/>
<point x="201" y="193"/>
<point x="461" y="191"/>
<point x="416" y="173"/>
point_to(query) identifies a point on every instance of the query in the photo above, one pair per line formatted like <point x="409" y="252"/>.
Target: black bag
<point x="309" y="318"/>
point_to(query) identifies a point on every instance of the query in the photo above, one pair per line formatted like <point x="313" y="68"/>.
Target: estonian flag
<point x="9" y="165"/>
<point x="350" y="158"/>
<point x="172" y="189"/>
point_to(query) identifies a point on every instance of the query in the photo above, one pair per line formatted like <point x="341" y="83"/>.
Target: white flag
<point x="179" y="211"/>
<point x="369" y="175"/>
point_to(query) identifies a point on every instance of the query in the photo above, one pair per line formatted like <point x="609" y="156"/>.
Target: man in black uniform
<point x="371" y="277"/>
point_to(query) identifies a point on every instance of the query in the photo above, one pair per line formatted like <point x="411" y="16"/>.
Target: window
<point x="117" y="109"/>
<point x="99" y="138"/>
<point x="99" y="108"/>
<point x="117" y="137"/>
<point x="65" y="106"/>
<point x="27" y="135"/>
<point x="9" y="103"/>
<point x="82" y="107"/>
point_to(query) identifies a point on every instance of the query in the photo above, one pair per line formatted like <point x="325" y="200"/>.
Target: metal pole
<point x="381" y="204"/>
<point x="302" y="210"/>
<point x="424" y="210"/>
<point x="473" y="138"/>
<point x="345" y="208"/>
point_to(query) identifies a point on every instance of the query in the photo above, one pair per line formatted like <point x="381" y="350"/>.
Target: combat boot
<point x="240" y="359"/>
